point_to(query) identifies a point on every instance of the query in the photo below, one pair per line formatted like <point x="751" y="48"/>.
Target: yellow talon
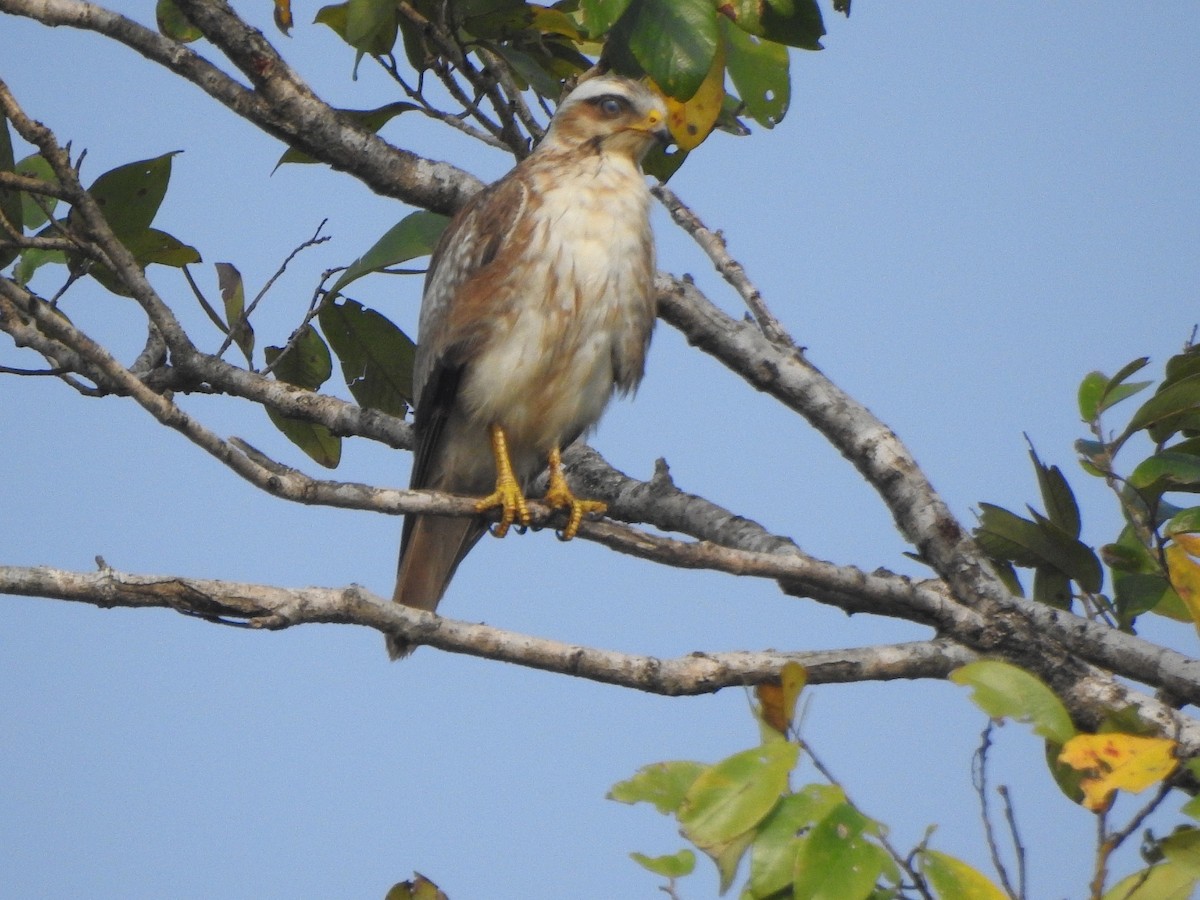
<point x="559" y="496"/>
<point x="507" y="495"/>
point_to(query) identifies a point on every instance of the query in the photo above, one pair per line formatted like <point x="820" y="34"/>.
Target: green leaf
<point x="334" y="17"/>
<point x="1185" y="521"/>
<point x="674" y="865"/>
<point x="662" y="784"/>
<point x="154" y="246"/>
<point x="1059" y="501"/>
<point x="732" y="796"/>
<point x="174" y="24"/>
<point x="728" y="855"/>
<point x="371" y="119"/>
<point x="419" y="888"/>
<point x="1051" y="587"/>
<point x="772" y="861"/>
<point x="663" y="162"/>
<point x="836" y="861"/>
<point x="1071" y="556"/>
<point x="371" y="26"/>
<point x="306" y="364"/>
<point x="495" y="20"/>
<point x="233" y="295"/>
<point x="1129" y="554"/>
<point x="532" y="70"/>
<point x="1097" y="392"/>
<point x="320" y="444"/>
<point x="417" y="47"/>
<point x="1091" y="391"/>
<point x="1117" y="390"/>
<point x="130" y="195"/>
<point x="1068" y="778"/>
<point x="1139" y="593"/>
<point x="1039" y="543"/>
<point x="376" y="356"/>
<point x="148" y="247"/>
<point x="1173" y="400"/>
<point x="674" y="41"/>
<point x="1003" y="690"/>
<point x="36" y="166"/>
<point x="1094" y="457"/>
<point x="599" y="15"/>
<point x="1164" y="881"/>
<point x="1192" y="807"/>
<point x="797" y="23"/>
<point x="953" y="879"/>
<point x="33" y="259"/>
<point x="1130" y="368"/>
<point x="10" y="201"/>
<point x="1005" y="535"/>
<point x="759" y="71"/>
<point x="1182" y="365"/>
<point x="1167" y="471"/>
<point x="1007" y="574"/>
<point x="413" y="236"/>
<point x="1123" y="392"/>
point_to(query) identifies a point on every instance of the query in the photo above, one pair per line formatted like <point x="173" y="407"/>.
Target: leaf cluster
<point x="1151" y="563"/>
<point x="128" y="197"/>
<point x="375" y="356"/>
<point x="808" y="842"/>
<point x="1091" y="769"/>
<point x="712" y="61"/>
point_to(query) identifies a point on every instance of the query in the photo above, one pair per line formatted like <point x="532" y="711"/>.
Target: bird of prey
<point x="538" y="307"/>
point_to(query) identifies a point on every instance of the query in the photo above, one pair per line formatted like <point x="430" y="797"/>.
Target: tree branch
<point x="268" y="607"/>
<point x="281" y="105"/>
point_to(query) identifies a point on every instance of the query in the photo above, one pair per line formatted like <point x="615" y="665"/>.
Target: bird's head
<point x="612" y="114"/>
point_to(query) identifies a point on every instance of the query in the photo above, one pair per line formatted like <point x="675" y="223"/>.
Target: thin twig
<point x="979" y="781"/>
<point x="1100" y="871"/>
<point x="1015" y="835"/>
<point x="918" y="882"/>
<point x="204" y="304"/>
<point x="245" y="317"/>
<point x="428" y="109"/>
<point x="713" y="244"/>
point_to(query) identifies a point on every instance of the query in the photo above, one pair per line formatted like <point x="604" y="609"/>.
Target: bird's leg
<point x="508" y="495"/>
<point x="559" y="495"/>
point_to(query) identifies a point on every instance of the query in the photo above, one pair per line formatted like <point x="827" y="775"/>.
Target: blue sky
<point x="968" y="207"/>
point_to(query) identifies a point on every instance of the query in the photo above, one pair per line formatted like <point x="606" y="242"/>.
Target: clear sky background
<point x="968" y="207"/>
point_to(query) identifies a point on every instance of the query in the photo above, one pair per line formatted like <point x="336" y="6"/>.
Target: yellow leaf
<point x="777" y="702"/>
<point x="692" y="121"/>
<point x="1113" y="762"/>
<point x="283" y="15"/>
<point x="1185" y="577"/>
<point x="953" y="878"/>
<point x="1190" y="542"/>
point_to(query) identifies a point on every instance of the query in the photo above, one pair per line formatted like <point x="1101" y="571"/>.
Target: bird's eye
<point x="612" y="106"/>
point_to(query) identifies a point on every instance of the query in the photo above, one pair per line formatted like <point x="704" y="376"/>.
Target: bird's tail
<point x="429" y="554"/>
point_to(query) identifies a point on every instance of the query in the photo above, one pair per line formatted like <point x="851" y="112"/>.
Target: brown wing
<point x="472" y="240"/>
<point x="431" y="547"/>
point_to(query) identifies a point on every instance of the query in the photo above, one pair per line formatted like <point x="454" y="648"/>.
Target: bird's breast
<point x="573" y="314"/>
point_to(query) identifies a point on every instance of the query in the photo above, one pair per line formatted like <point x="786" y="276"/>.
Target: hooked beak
<point x="655" y="125"/>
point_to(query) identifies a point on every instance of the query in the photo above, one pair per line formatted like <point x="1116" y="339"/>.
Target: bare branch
<point x="268" y="607"/>
<point x="281" y="104"/>
<point x="713" y="244"/>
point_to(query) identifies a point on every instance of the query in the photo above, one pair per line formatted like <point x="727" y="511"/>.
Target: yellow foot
<point x="559" y="496"/>
<point x="507" y="496"/>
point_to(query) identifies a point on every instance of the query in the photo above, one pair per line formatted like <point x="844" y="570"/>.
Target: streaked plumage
<point x="538" y="306"/>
